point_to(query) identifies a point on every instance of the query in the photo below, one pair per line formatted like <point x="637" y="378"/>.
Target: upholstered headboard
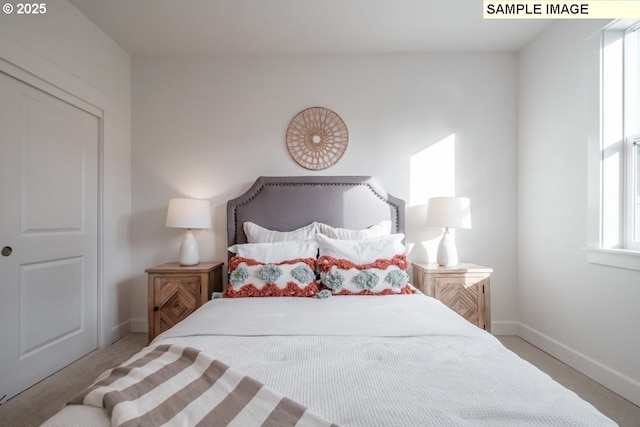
<point x="287" y="203"/>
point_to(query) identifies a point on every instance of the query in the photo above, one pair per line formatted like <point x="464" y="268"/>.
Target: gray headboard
<point x="287" y="203"/>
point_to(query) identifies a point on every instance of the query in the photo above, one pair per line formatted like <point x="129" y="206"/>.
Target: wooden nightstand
<point x="465" y="288"/>
<point x="176" y="291"/>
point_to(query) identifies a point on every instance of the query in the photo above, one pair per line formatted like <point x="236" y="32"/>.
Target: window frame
<point x="631" y="58"/>
<point x="613" y="235"/>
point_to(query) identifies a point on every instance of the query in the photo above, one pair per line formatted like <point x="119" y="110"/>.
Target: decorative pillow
<point x="258" y="234"/>
<point x="251" y="278"/>
<point x="277" y="251"/>
<point x="382" y="277"/>
<point x="382" y="228"/>
<point x="362" y="251"/>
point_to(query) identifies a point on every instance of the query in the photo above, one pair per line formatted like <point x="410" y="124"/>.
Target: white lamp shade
<point x="449" y="212"/>
<point x="189" y="213"/>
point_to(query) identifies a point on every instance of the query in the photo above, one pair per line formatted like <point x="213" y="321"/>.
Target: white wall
<point x="207" y="127"/>
<point x="64" y="49"/>
<point x="582" y="313"/>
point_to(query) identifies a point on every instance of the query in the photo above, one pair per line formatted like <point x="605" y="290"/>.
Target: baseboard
<point x="120" y="330"/>
<point x="140" y="325"/>
<point x="114" y="334"/>
<point x="504" y="328"/>
<point x="605" y="375"/>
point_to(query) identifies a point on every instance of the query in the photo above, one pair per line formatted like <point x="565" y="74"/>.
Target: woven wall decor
<point x="317" y="138"/>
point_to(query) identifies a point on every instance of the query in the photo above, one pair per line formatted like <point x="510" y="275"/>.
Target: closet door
<point x="48" y="234"/>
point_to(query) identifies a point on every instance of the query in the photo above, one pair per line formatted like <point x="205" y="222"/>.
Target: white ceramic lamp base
<point x="447" y="252"/>
<point x="189" y="254"/>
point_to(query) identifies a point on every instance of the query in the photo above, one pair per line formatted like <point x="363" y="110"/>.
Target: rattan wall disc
<point x="317" y="138"/>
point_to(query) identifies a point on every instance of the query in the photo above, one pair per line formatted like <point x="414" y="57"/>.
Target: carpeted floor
<point x="620" y="410"/>
<point x="38" y="403"/>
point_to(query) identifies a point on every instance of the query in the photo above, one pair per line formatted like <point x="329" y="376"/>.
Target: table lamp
<point x="189" y="213"/>
<point x="448" y="212"/>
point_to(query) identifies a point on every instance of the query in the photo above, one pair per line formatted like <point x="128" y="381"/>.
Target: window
<point x="619" y="151"/>
<point x="632" y="136"/>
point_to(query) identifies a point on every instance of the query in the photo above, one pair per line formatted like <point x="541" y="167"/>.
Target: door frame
<point x="65" y="96"/>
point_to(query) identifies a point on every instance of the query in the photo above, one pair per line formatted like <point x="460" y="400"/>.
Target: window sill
<point x="614" y="258"/>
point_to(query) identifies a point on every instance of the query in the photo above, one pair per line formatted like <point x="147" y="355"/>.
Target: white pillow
<point x="382" y="228"/>
<point x="362" y="251"/>
<point x="258" y="234"/>
<point x="277" y="251"/>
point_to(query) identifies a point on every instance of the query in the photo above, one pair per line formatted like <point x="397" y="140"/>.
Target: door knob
<point x="6" y="251"/>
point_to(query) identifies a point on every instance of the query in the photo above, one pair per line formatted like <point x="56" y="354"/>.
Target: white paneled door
<point x="48" y="234"/>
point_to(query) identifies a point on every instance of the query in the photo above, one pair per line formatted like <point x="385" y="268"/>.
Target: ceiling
<point x="212" y="27"/>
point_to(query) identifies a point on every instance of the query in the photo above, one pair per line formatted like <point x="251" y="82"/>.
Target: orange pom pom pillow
<point x="290" y="278"/>
<point x="381" y="277"/>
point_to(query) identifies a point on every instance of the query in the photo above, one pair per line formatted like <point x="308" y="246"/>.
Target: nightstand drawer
<point x="174" y="298"/>
<point x="464" y="288"/>
<point x="176" y="291"/>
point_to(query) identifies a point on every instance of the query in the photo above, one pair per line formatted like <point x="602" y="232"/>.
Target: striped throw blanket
<point x="169" y="385"/>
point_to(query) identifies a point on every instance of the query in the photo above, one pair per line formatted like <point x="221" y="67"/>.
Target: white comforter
<point x="403" y="360"/>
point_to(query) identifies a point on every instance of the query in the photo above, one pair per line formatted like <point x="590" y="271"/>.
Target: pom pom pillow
<point x="251" y="278"/>
<point x="382" y="277"/>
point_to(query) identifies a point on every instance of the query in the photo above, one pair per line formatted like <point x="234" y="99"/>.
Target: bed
<point x="350" y="344"/>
